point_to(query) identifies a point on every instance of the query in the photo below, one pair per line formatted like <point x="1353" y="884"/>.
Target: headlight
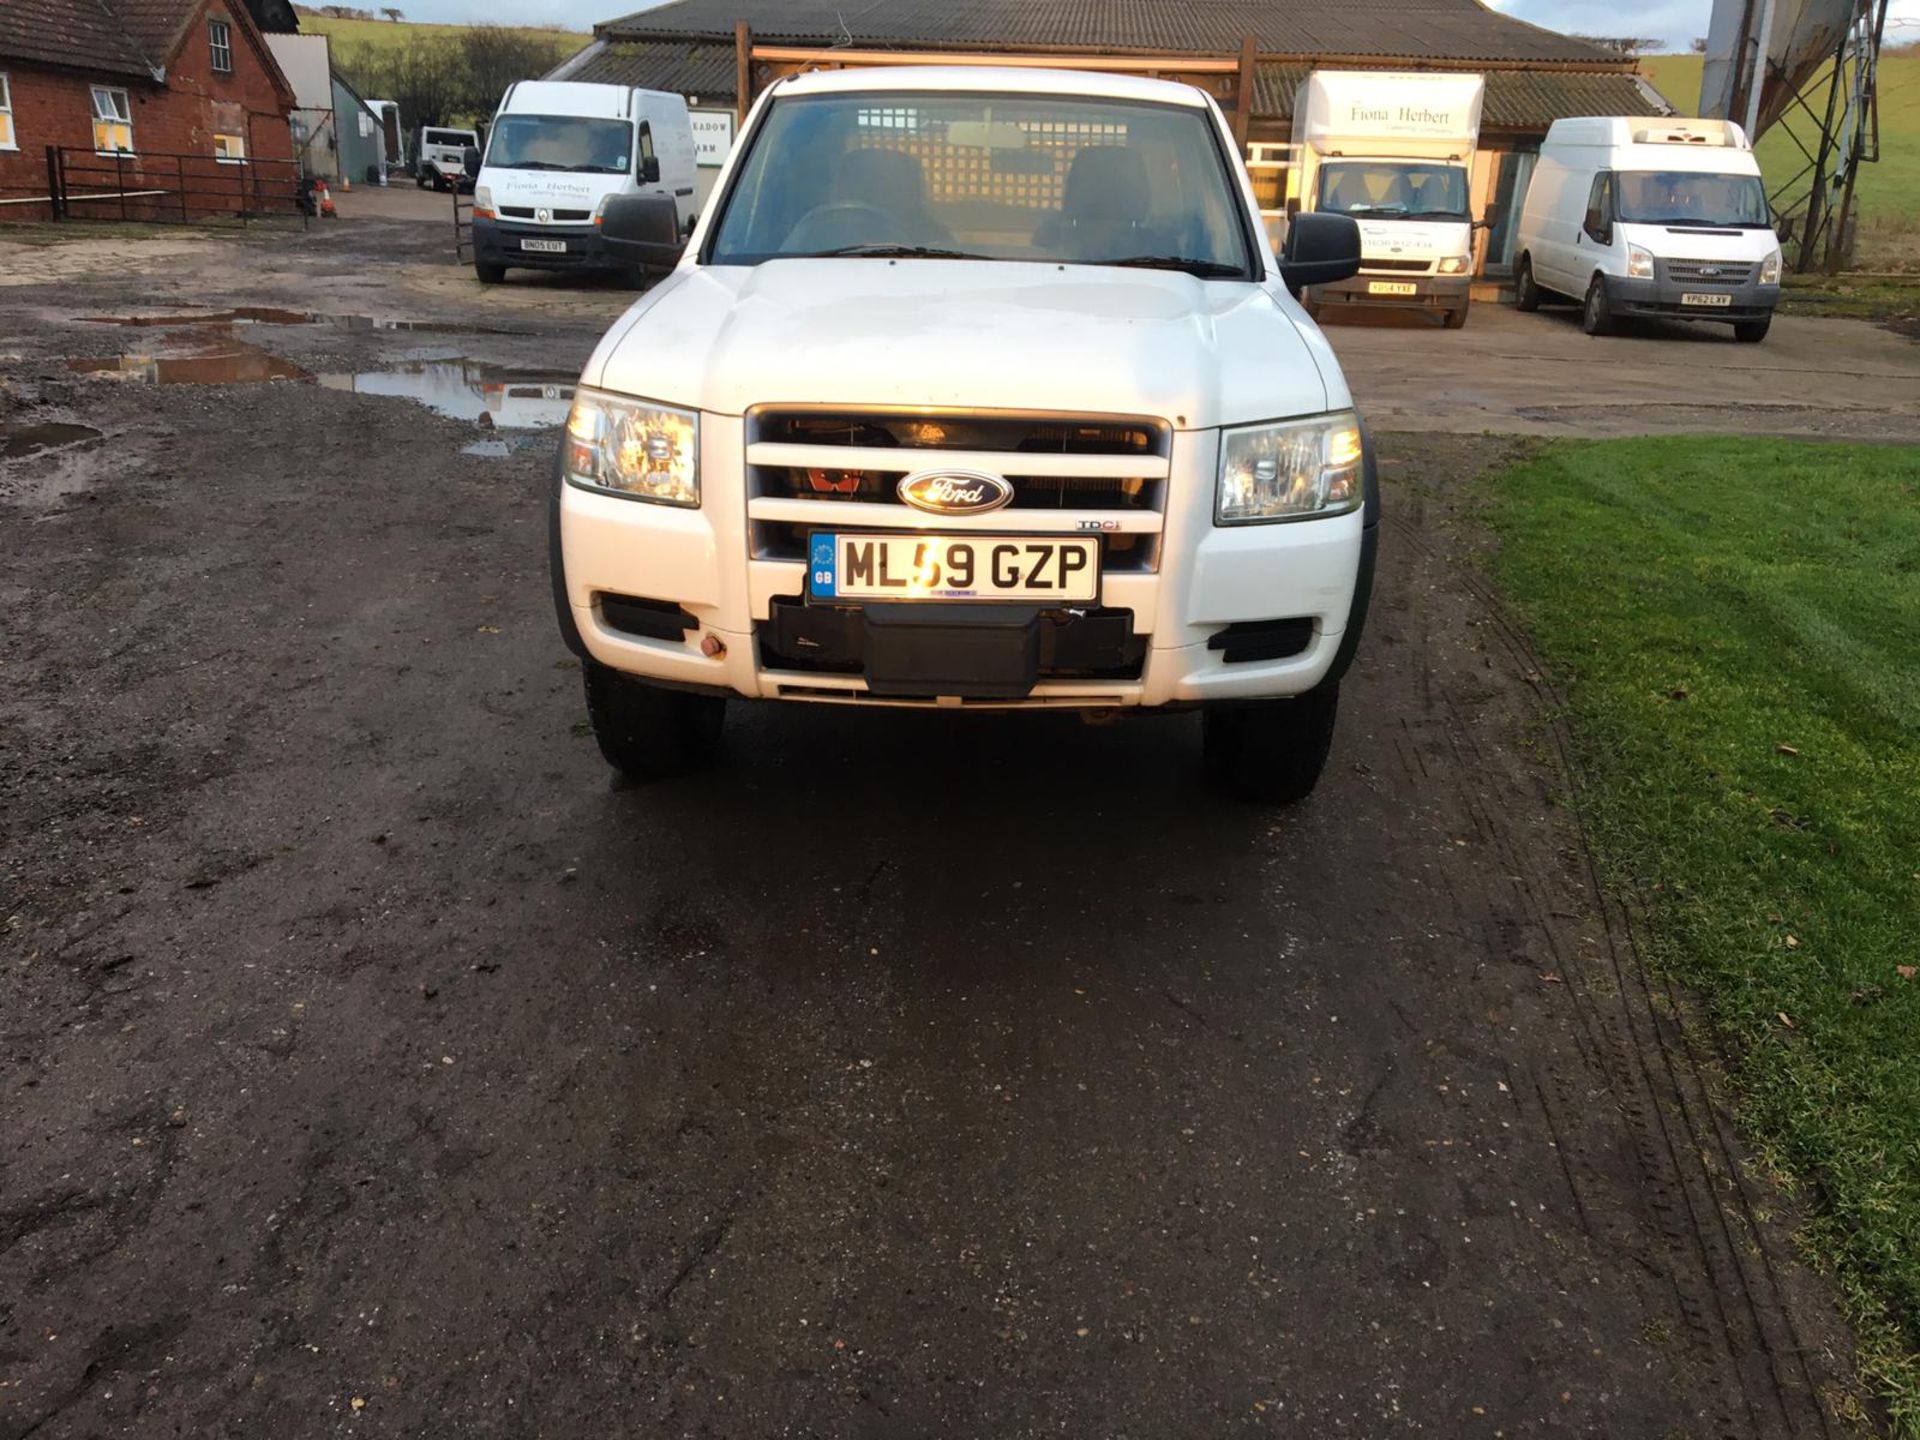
<point x="634" y="448"/>
<point x="1639" y="263"/>
<point x="1294" y="470"/>
<point x="483" y="198"/>
<point x="1455" y="264"/>
<point x="1770" y="269"/>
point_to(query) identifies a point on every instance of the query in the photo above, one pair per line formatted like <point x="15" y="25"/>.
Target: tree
<point x="447" y="76"/>
<point x="1627" y="46"/>
<point x="396" y="16"/>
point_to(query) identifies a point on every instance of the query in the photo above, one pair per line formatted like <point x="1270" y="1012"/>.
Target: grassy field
<point x="383" y="33"/>
<point x="1737" y="626"/>
<point x="1889" y="193"/>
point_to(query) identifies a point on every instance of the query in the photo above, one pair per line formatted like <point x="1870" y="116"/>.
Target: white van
<point x="557" y="153"/>
<point x="1394" y="151"/>
<point x="439" y="156"/>
<point x="1658" y="218"/>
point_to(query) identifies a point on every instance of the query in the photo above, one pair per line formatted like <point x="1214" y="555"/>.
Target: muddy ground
<point x="371" y="1064"/>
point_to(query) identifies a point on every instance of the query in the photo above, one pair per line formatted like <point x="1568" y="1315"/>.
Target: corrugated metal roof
<point x="70" y="34"/>
<point x="1409" y="29"/>
<point x="688" y="68"/>
<point x="1516" y="99"/>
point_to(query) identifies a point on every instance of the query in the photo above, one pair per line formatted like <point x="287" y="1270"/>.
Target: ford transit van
<point x="1650" y="218"/>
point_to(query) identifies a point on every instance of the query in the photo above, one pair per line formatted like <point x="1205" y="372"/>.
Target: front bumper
<point x="1239" y="613"/>
<point x="1430" y="292"/>
<point x="1659" y="298"/>
<point x="498" y="242"/>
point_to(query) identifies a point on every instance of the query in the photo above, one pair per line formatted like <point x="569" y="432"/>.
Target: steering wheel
<point x="843" y="222"/>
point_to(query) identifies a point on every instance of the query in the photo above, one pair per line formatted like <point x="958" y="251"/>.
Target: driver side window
<point x="1599" y="220"/>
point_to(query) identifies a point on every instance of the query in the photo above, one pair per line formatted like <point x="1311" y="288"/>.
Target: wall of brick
<point x="179" y="118"/>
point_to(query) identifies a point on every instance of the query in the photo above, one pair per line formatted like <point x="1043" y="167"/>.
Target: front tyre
<point x="1596" y="318"/>
<point x="1271" y="752"/>
<point x="1526" y="291"/>
<point x="1456" y="318"/>
<point x="1752" y="332"/>
<point x="647" y="733"/>
<point x="487" y="273"/>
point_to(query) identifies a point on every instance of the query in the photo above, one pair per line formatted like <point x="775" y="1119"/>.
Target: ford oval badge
<point x="956" y="492"/>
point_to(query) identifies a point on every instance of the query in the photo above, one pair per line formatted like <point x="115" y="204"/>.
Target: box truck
<point x="1394" y="151"/>
<point x="1656" y="218"/>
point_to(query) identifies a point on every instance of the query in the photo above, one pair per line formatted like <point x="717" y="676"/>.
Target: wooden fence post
<point x="56" y="201"/>
<point x="742" y="71"/>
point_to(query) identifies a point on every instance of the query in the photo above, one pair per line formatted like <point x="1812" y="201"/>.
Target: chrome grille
<point x="1710" y="272"/>
<point x="1397" y="267"/>
<point x="1071" y="474"/>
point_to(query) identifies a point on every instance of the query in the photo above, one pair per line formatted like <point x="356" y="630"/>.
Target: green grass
<point x="1855" y="297"/>
<point x="383" y="34"/>
<point x="1737" y="626"/>
<point x="1889" y="190"/>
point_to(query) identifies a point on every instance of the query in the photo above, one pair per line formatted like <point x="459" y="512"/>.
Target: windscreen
<point x="450" y="137"/>
<point x="1394" y="189"/>
<point x="561" y="142"/>
<point x="1073" y="179"/>
<point x="1687" y="197"/>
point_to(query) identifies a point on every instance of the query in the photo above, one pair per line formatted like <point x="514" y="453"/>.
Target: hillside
<point x="384" y="34"/>
<point x="1889" y="192"/>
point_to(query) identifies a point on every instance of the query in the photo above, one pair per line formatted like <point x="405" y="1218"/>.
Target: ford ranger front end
<point x="975" y="389"/>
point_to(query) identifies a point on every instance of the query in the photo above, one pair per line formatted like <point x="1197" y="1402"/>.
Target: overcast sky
<point x="1674" y="21"/>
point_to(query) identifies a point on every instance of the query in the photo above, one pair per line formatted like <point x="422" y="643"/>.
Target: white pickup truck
<point x="975" y="388"/>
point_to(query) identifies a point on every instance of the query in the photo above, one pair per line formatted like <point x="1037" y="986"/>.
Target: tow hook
<point x="712" y="646"/>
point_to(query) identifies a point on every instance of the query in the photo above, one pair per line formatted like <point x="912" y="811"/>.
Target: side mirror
<point x="650" y="170"/>
<point x="643" y="230"/>
<point x="1321" y="249"/>
<point x="470" y="161"/>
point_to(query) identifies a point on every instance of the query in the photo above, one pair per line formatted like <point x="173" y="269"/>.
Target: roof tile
<point x="1406" y="29"/>
<point x="71" y="34"/>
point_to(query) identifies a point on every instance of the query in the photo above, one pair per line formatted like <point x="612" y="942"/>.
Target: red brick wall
<point x="179" y="118"/>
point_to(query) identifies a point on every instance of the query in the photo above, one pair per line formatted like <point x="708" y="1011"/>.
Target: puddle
<point x="17" y="442"/>
<point x="464" y="390"/>
<point x="459" y="389"/>
<point x="243" y="364"/>
<point x="270" y="315"/>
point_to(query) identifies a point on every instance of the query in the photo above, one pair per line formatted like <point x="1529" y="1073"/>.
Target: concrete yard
<point x="370" y="1063"/>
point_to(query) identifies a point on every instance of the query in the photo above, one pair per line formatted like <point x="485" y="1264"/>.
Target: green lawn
<point x="1736" y="624"/>
<point x="383" y="33"/>
<point x="1889" y="193"/>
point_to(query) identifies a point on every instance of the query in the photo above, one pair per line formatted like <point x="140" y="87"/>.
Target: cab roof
<point x="991" y="79"/>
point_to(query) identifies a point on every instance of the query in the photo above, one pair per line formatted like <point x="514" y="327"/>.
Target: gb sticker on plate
<point x="822" y="563"/>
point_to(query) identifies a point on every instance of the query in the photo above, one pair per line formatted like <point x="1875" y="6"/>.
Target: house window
<point x="220" y="36"/>
<point x="7" y="141"/>
<point x="112" y="121"/>
<point x="229" y="149"/>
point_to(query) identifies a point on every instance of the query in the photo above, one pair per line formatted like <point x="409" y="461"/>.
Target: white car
<point x="976" y="389"/>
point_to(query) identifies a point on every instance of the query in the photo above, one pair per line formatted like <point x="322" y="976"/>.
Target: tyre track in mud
<point x="1723" y="1264"/>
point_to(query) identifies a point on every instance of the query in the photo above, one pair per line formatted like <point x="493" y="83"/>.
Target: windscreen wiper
<point x="1433" y="215"/>
<point x="1205" y="269"/>
<point x="886" y="251"/>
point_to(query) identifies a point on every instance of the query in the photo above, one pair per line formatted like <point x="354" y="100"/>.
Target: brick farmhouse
<point x="161" y="101"/>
